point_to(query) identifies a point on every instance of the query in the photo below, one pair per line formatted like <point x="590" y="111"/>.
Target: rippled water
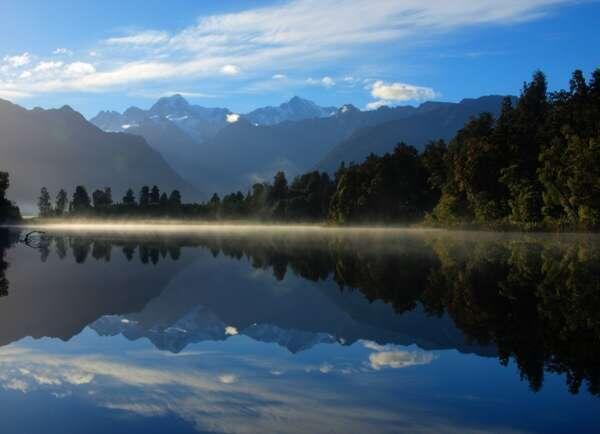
<point x="298" y="331"/>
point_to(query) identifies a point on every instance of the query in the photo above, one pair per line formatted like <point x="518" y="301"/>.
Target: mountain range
<point x="218" y="150"/>
<point x="199" y="150"/>
<point x="58" y="148"/>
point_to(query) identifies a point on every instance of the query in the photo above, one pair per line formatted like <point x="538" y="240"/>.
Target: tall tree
<point x="44" y="203"/>
<point x="61" y="203"/>
<point x="175" y="199"/>
<point x="81" y="200"/>
<point x="155" y="195"/>
<point x="129" y="198"/>
<point x="144" y="196"/>
<point x="98" y="199"/>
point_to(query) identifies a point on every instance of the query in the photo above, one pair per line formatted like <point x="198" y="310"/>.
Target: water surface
<point x="298" y="331"/>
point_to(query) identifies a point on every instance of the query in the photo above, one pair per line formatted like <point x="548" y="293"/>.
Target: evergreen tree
<point x="129" y="198"/>
<point x="44" y="203"/>
<point x="144" y="196"/>
<point x="108" y="199"/>
<point x="164" y="200"/>
<point x="175" y="199"/>
<point x="8" y="211"/>
<point x="81" y="200"/>
<point x="61" y="203"/>
<point x="98" y="199"/>
<point x="154" y="195"/>
<point x="279" y="190"/>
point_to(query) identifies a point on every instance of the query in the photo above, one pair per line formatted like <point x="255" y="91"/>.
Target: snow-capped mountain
<point x="200" y="324"/>
<point x="200" y="123"/>
<point x="296" y="109"/>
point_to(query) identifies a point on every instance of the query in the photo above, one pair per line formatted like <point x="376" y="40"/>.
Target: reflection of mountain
<point x="58" y="298"/>
<point x="200" y="304"/>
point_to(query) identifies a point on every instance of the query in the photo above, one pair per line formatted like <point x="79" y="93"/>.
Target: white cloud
<point x="230" y="70"/>
<point x="232" y="118"/>
<point x="279" y="77"/>
<point x="25" y="74"/>
<point x="79" y="69"/>
<point x="377" y="104"/>
<point x="63" y="51"/>
<point x="18" y="60"/>
<point x="148" y="37"/>
<point x="47" y="66"/>
<point x="13" y="94"/>
<point x="401" y="92"/>
<point x="227" y="378"/>
<point x="325" y="81"/>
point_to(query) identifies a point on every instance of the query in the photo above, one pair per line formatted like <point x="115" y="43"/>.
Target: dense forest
<point x="534" y="167"/>
<point x="8" y="211"/>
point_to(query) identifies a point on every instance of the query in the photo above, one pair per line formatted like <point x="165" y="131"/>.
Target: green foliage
<point x="81" y="202"/>
<point x="388" y="188"/>
<point x="129" y="198"/>
<point x="44" y="203"/>
<point x="61" y="203"/>
<point x="8" y="211"/>
<point x="536" y="166"/>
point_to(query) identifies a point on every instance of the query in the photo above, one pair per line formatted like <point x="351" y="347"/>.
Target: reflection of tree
<point x="6" y="239"/>
<point x="535" y="301"/>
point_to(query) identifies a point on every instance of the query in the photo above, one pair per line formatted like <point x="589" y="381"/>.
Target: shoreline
<point x="194" y="228"/>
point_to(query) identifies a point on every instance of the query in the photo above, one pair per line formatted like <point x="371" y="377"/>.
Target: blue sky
<point x="246" y="54"/>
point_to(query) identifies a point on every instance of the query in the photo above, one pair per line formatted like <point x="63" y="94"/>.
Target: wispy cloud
<point x="17" y="60"/>
<point x="149" y="37"/>
<point x="291" y="35"/>
<point x="63" y="51"/>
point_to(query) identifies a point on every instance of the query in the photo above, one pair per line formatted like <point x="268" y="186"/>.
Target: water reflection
<point x="384" y="303"/>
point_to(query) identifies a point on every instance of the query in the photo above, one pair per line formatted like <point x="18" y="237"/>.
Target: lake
<point x="298" y="330"/>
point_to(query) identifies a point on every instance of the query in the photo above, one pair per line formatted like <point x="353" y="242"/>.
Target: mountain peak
<point x="348" y="108"/>
<point x="174" y="104"/>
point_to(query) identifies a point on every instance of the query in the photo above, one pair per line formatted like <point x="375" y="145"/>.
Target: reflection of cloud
<point x="231" y="331"/>
<point x="325" y="368"/>
<point x="149" y="385"/>
<point x="398" y="359"/>
<point x="227" y="378"/>
<point x="373" y="345"/>
<point x="16" y="385"/>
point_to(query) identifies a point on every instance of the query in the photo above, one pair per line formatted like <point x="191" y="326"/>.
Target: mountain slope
<point x="431" y="121"/>
<point x="60" y="149"/>
<point x="245" y="153"/>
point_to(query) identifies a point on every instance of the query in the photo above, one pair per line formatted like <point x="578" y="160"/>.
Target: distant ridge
<point x="58" y="148"/>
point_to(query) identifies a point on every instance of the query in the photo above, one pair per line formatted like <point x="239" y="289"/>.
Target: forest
<point x="535" y="167"/>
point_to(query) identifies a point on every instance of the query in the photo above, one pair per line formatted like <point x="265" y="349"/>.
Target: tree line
<point x="534" y="167"/>
<point x="150" y="201"/>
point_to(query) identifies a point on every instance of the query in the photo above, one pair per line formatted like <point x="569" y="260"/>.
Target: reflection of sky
<point x="270" y="361"/>
<point x="244" y="386"/>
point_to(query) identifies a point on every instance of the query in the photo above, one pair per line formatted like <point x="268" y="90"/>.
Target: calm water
<point x="222" y="332"/>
